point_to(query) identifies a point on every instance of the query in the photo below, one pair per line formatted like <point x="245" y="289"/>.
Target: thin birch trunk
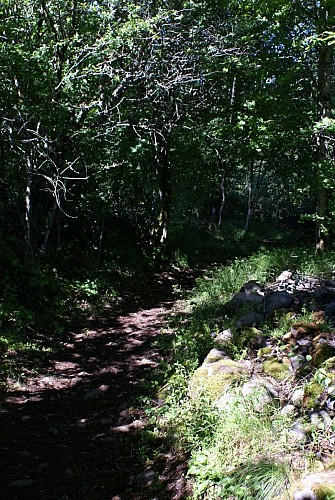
<point x="49" y="224"/>
<point x="250" y="200"/>
<point x="29" y="182"/>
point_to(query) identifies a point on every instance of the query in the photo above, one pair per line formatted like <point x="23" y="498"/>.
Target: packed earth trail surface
<point x="71" y="430"/>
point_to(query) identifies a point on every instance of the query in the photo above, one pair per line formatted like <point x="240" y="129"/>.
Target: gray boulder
<point x="330" y="310"/>
<point x="284" y="276"/>
<point x="223" y="338"/>
<point x="297" y="362"/>
<point x="242" y="299"/>
<point x="250" y="319"/>
<point x="251" y="287"/>
<point x="324" y="294"/>
<point x="260" y="391"/>
<point x="316" y="485"/>
<point x="278" y="300"/>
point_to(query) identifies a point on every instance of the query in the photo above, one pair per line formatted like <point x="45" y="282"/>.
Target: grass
<point x="236" y="452"/>
<point x="232" y="451"/>
<point x="265" y="479"/>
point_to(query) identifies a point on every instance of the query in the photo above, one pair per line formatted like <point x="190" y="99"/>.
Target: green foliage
<point x="127" y="128"/>
<point x="245" y="456"/>
<point x="235" y="450"/>
<point x="83" y="112"/>
<point x="39" y="302"/>
<point x="87" y="288"/>
<point x="263" y="480"/>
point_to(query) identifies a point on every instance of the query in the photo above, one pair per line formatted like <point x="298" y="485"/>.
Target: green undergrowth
<point x="237" y="451"/>
<point x="205" y="242"/>
<point x="42" y="300"/>
<point x="246" y="455"/>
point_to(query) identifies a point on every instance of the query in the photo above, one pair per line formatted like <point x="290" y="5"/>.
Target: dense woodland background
<point x="138" y="134"/>
<point x="150" y="120"/>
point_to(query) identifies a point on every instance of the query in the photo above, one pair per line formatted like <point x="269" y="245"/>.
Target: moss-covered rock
<point x="214" y="377"/>
<point x="312" y="393"/>
<point x="251" y="336"/>
<point x="276" y="369"/>
<point x="321" y="384"/>
<point x="264" y="351"/>
<point x="214" y="355"/>
<point x="319" y="485"/>
<point x="322" y="353"/>
<point x="329" y="365"/>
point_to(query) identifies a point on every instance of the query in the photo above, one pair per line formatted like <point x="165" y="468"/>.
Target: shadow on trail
<point x="71" y="432"/>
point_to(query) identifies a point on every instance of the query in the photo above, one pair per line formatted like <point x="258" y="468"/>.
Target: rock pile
<point x="299" y="376"/>
<point x="291" y="291"/>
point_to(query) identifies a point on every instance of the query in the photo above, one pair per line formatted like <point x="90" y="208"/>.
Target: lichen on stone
<point x="214" y="355"/>
<point x="320" y="484"/>
<point x="264" y="351"/>
<point x="276" y="369"/>
<point x="312" y="392"/>
<point x="212" y="379"/>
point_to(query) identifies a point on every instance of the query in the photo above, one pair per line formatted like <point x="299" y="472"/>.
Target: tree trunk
<point x="29" y="182"/>
<point x="223" y="197"/>
<point x="100" y="242"/>
<point x="222" y="165"/>
<point x="48" y="227"/>
<point x="162" y="153"/>
<point x="250" y="210"/>
<point x="324" y="104"/>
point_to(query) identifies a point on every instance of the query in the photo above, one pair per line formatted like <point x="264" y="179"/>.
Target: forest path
<point x="71" y="432"/>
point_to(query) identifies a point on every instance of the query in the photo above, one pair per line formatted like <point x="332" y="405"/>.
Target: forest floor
<point x="72" y="430"/>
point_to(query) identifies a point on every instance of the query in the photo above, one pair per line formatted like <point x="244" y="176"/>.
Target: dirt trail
<point x="70" y="432"/>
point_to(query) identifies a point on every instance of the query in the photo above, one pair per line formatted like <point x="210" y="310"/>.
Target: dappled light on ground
<point x="71" y="431"/>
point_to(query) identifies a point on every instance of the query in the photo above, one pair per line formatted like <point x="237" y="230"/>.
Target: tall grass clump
<point x="247" y="456"/>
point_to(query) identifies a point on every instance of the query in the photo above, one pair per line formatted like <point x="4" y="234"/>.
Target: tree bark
<point x="29" y="182"/>
<point x="250" y="210"/>
<point x="163" y="172"/>
<point x="222" y="166"/>
<point x="223" y="197"/>
<point x="48" y="227"/>
<point x="324" y="105"/>
<point x="255" y="181"/>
